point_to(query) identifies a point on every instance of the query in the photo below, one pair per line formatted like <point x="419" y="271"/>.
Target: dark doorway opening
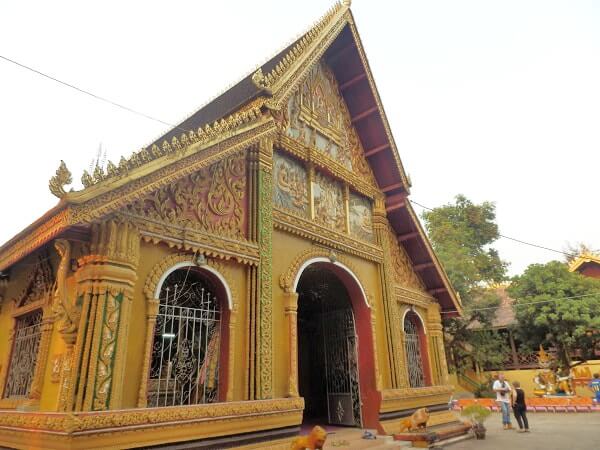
<point x="327" y="353"/>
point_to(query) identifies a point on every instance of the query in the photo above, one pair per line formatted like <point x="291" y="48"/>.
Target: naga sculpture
<point x="58" y="181"/>
<point x="65" y="312"/>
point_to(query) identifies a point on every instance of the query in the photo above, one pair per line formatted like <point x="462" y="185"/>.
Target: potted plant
<point x="477" y="414"/>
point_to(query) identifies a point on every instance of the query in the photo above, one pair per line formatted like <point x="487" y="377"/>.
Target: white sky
<point x="498" y="100"/>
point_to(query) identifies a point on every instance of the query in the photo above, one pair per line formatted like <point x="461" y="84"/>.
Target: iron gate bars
<point x="28" y="332"/>
<point x="412" y="343"/>
<point x="185" y="354"/>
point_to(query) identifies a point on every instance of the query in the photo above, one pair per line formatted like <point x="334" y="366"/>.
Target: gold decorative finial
<point x="347" y="3"/>
<point x="58" y="181"/>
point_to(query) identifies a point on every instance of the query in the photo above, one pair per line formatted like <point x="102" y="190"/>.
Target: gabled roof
<point x="584" y="258"/>
<point x="335" y="38"/>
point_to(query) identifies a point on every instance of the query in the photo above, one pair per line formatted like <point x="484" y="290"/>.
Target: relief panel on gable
<point x="290" y="184"/>
<point x="213" y="199"/>
<point x="317" y="116"/>
<point x="361" y="217"/>
<point x="329" y="202"/>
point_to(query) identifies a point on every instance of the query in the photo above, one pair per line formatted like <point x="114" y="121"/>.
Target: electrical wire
<point x="91" y="94"/>
<point x="514" y="305"/>
<point x="511" y="238"/>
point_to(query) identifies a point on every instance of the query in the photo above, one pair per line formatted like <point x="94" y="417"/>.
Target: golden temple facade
<point x="258" y="267"/>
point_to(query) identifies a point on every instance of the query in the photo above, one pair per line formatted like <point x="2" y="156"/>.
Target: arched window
<point x="413" y="345"/>
<point x="184" y="369"/>
<point x="24" y="355"/>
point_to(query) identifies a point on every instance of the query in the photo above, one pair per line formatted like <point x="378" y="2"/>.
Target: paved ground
<point x="549" y="431"/>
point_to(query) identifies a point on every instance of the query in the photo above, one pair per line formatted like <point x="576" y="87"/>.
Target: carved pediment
<point x="39" y="284"/>
<point x="212" y="199"/>
<point x="404" y="274"/>
<point x="317" y="116"/>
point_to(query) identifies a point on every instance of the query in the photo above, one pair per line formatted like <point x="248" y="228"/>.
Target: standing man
<point x="503" y="397"/>
<point x="520" y="408"/>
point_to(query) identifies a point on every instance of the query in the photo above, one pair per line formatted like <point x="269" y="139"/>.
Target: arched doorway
<point x="328" y="371"/>
<point x="189" y="338"/>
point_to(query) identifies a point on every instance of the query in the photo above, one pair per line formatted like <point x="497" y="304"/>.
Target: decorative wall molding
<point x="305" y="228"/>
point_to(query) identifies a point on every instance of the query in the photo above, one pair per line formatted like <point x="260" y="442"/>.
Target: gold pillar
<point x="151" y="313"/>
<point x="390" y="307"/>
<point x="105" y="288"/>
<point x="291" y="313"/>
<point x="435" y="336"/>
<point x="231" y="357"/>
<point x="378" y="384"/>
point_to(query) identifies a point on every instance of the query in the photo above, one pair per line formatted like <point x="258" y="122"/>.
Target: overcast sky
<point x="498" y="100"/>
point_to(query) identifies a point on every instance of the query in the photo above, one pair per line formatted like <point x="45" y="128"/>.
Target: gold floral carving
<point x="57" y="363"/>
<point x="39" y="283"/>
<point x="58" y="181"/>
<point x="212" y="199"/>
<point x="404" y="274"/>
<point x="107" y="421"/>
<point x="400" y="394"/>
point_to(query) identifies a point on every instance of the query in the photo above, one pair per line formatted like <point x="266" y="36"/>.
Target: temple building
<point x="587" y="264"/>
<point x="257" y="267"/>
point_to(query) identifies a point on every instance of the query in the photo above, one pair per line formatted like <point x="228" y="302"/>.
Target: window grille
<point x="24" y="354"/>
<point x="184" y="369"/>
<point x="412" y="343"/>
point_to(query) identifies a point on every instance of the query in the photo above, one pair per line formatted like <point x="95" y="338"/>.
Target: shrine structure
<point x="257" y="267"/>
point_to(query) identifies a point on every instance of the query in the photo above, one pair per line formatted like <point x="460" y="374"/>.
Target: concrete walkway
<point x="549" y="431"/>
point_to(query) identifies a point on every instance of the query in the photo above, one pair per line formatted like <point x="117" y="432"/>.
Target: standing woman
<point x="520" y="408"/>
<point x="503" y="397"/>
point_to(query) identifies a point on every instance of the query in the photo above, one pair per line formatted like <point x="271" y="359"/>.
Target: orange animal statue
<point x="417" y="421"/>
<point x="315" y="440"/>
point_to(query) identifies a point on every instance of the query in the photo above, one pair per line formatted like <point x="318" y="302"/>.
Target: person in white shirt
<point x="503" y="396"/>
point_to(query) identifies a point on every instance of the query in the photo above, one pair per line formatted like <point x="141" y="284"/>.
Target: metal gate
<point x="341" y="368"/>
<point x="185" y="354"/>
<point x="412" y="343"/>
<point x="24" y="354"/>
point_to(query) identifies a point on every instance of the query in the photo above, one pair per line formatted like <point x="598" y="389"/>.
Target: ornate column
<point x="231" y="357"/>
<point x="378" y="384"/>
<point x="264" y="362"/>
<point x="291" y="314"/>
<point x="152" y="306"/>
<point x="390" y="309"/>
<point x="105" y="286"/>
<point x="436" y="344"/>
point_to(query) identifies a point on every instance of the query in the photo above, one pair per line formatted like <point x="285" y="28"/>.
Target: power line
<point x="91" y="94"/>
<point x="512" y="238"/>
<point x="514" y="305"/>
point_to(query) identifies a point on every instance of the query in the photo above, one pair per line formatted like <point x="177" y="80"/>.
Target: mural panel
<point x="290" y="189"/>
<point x="317" y="116"/>
<point x="212" y="199"/>
<point x="361" y="217"/>
<point x="329" y="202"/>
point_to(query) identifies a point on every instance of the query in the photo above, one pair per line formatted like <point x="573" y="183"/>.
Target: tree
<point x="571" y="325"/>
<point x="462" y="234"/>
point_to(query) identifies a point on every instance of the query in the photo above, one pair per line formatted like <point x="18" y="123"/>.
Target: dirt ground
<point x="549" y="431"/>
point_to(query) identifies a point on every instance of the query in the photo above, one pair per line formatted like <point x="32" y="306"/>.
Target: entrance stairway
<point x="346" y="439"/>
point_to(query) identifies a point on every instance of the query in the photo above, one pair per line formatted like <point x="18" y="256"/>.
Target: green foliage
<point x="476" y="413"/>
<point x="568" y="324"/>
<point x="461" y="234"/>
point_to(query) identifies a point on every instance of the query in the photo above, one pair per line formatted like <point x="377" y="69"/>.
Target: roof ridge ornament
<point x="57" y="182"/>
<point x="267" y="81"/>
